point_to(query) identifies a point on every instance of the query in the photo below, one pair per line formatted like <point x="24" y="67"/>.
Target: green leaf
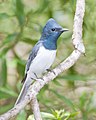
<point x="22" y="115"/>
<point x="44" y="101"/>
<point x="20" y="12"/>
<point x="5" y="108"/>
<point x="3" y="72"/>
<point x="8" y="39"/>
<point x="74" y="77"/>
<point x="42" y="6"/>
<point x="63" y="115"/>
<point x="74" y="114"/>
<point x="45" y="116"/>
<point x="4" y="51"/>
<point x="7" y="93"/>
<point x="21" y="67"/>
<point x="29" y="41"/>
<point x="3" y="16"/>
<point x="56" y="82"/>
<point x="20" y="64"/>
<point x="68" y="101"/>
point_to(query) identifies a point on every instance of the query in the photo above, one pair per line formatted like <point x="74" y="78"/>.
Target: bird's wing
<point x="31" y="58"/>
<point x="26" y="83"/>
<point x="33" y="55"/>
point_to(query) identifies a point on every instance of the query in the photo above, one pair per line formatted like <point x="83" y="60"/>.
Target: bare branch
<point x="71" y="60"/>
<point x="35" y="108"/>
<point x="77" y="27"/>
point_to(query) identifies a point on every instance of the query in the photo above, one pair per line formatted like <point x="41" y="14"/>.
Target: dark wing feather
<point x="31" y="57"/>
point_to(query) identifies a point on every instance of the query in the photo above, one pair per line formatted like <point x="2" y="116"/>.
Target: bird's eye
<point x="53" y="29"/>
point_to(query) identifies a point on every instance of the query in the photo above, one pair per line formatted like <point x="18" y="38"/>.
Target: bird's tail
<point x="23" y="92"/>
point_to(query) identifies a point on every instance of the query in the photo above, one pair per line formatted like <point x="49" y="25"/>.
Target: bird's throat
<point x="50" y="44"/>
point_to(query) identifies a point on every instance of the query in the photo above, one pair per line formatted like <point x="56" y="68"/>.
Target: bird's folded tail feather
<point x="23" y="91"/>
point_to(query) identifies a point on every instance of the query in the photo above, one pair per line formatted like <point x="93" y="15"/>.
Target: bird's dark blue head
<point x="50" y="34"/>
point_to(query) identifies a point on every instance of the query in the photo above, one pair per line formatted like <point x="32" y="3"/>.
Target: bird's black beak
<point x="64" y="30"/>
<point x="61" y="29"/>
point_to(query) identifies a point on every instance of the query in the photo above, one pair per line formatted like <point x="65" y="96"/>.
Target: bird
<point x="42" y="55"/>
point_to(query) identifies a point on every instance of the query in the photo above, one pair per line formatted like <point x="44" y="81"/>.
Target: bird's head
<point x="52" y="30"/>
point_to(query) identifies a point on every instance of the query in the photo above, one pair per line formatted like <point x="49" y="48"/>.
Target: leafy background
<point x="21" y="23"/>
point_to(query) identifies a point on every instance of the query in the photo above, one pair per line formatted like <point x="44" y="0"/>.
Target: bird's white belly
<point x="42" y="61"/>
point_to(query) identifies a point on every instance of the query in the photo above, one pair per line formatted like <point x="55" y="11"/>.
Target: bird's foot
<point x="49" y="70"/>
<point x="37" y="78"/>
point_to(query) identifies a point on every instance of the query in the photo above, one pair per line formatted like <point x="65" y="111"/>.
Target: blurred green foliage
<point x="21" y="23"/>
<point x="56" y="115"/>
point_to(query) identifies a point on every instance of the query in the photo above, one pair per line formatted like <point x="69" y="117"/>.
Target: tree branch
<point x="77" y="27"/>
<point x="35" y="108"/>
<point x="70" y="61"/>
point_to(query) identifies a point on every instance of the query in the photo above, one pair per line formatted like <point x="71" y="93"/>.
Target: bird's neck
<point x="50" y="45"/>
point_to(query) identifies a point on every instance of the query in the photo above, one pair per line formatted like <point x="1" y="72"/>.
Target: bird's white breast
<point x="42" y="61"/>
